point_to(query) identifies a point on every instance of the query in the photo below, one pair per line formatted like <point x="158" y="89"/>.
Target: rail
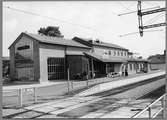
<point x="148" y="108"/>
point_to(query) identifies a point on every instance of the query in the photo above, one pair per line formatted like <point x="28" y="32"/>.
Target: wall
<point x="5" y="67"/>
<point x="158" y="66"/>
<point x="24" y="60"/>
<point x="76" y="51"/>
<point x="117" y="67"/>
<point x="22" y="57"/>
<point x="36" y="61"/>
<point x="101" y="51"/>
<point x="12" y="63"/>
<point x="46" y="51"/>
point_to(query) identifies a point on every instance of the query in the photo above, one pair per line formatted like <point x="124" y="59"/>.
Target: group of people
<point x="84" y="75"/>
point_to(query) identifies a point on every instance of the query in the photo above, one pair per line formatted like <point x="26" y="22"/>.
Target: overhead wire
<point x="51" y="18"/>
<point x="154" y="18"/>
<point x="132" y="33"/>
<point x="122" y="4"/>
<point x="149" y="21"/>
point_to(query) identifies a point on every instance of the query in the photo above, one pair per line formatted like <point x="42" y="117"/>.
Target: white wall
<point x="44" y="54"/>
<point x="101" y="51"/>
<point x="117" y="67"/>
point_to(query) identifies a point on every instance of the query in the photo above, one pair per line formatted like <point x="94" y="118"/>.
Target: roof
<point x="54" y="40"/>
<point x="106" y="60"/>
<point x="137" y="60"/>
<point x="100" y="43"/>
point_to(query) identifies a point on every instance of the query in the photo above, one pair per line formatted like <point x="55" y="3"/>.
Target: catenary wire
<point x="51" y="18"/>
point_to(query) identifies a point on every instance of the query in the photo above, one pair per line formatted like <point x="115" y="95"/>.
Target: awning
<point x="105" y="59"/>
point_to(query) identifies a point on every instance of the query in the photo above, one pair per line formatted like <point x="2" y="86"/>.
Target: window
<point x="131" y="65"/>
<point x="56" y="68"/>
<point x="114" y="53"/>
<point x="118" y="53"/>
<point x="125" y="53"/>
<point x="121" y="53"/>
<point x="109" y="52"/>
<point x="23" y="47"/>
<point x="105" y="53"/>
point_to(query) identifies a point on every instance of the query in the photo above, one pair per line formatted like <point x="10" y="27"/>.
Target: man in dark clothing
<point x="126" y="72"/>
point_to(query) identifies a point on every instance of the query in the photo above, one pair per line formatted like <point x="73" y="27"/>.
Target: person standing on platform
<point x="126" y="71"/>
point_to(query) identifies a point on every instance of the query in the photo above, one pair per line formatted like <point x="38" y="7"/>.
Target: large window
<point x="131" y="66"/>
<point x="114" y="53"/>
<point x="121" y="53"/>
<point x="125" y="53"/>
<point x="118" y="53"/>
<point x="56" y="68"/>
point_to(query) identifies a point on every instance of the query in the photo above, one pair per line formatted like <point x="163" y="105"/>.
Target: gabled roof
<point x="103" y="44"/>
<point x="53" y="40"/>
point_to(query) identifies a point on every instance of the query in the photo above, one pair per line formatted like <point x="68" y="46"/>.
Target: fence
<point x="18" y="95"/>
<point x="148" y="108"/>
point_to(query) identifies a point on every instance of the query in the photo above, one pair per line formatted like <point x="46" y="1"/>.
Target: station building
<point x="40" y="58"/>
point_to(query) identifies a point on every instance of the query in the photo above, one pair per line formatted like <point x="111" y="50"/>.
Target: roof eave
<point x="65" y="45"/>
<point x="111" y="47"/>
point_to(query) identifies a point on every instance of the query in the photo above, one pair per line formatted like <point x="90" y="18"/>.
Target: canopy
<point x="106" y="59"/>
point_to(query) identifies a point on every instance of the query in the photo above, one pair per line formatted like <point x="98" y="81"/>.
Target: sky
<point x="87" y="19"/>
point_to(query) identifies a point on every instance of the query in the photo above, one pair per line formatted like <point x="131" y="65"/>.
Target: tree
<point x="50" y="31"/>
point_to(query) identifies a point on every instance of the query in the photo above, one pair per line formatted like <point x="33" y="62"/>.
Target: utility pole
<point x="141" y="14"/>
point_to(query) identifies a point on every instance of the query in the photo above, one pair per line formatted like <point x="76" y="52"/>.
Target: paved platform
<point x="84" y="107"/>
<point x="49" y="91"/>
<point x="119" y="83"/>
<point x="80" y="107"/>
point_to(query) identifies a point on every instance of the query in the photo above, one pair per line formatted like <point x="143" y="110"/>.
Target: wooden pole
<point x="106" y="68"/>
<point x="20" y="98"/>
<point x="92" y="68"/>
<point x="68" y="79"/>
<point x="163" y="106"/>
<point x="149" y="112"/>
<point x="35" y="95"/>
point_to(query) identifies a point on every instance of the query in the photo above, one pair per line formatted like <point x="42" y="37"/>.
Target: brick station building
<point x="40" y="58"/>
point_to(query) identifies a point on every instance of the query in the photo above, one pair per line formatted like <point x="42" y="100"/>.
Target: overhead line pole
<point x="153" y="11"/>
<point x="154" y="25"/>
<point x="141" y="14"/>
<point x="136" y="11"/>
